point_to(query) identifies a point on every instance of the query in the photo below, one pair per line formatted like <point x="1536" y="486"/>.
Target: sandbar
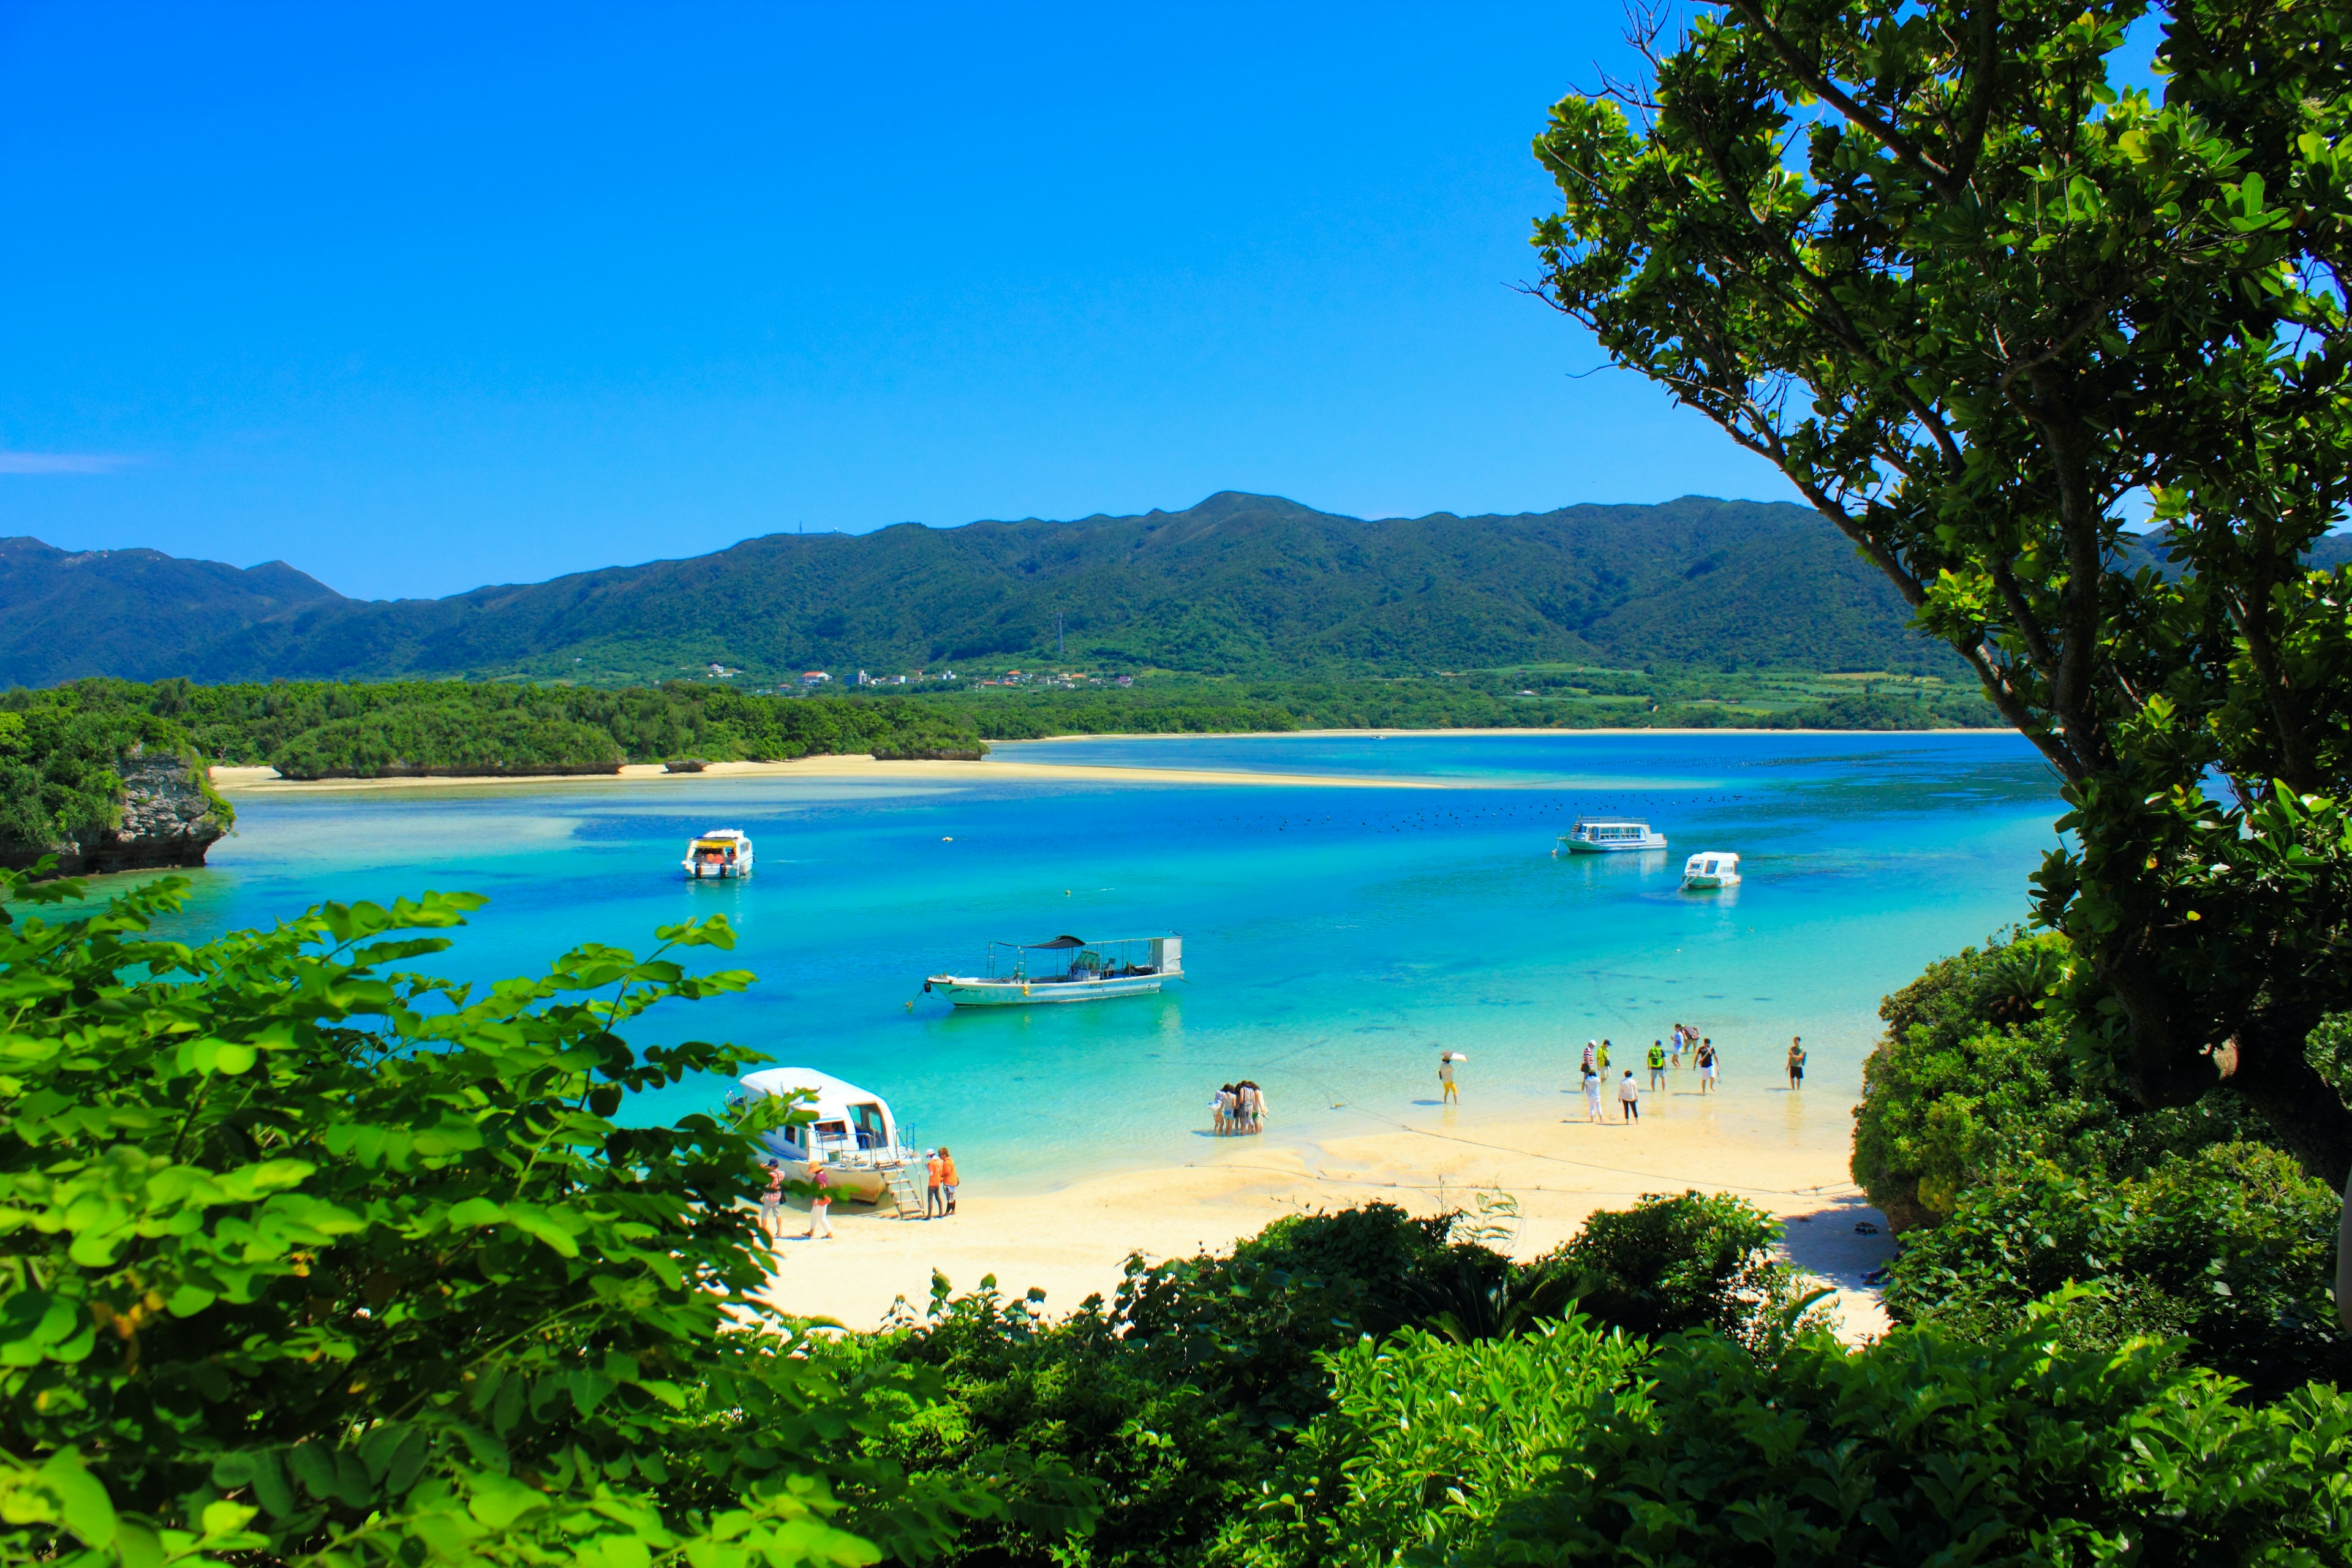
<point x="859" y="766"/>
<point x="1074" y="1242"/>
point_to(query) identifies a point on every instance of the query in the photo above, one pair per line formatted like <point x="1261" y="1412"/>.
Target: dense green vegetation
<point x="2015" y="1168"/>
<point x="59" y="762"/>
<point x="1969" y="293"/>
<point x="1527" y="698"/>
<point x="309" y="1258"/>
<point x="1237" y="585"/>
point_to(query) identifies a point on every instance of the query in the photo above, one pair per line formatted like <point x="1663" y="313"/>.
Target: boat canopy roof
<point x="1058" y="942"/>
<point x="1611" y="822"/>
<point x="834" y="1095"/>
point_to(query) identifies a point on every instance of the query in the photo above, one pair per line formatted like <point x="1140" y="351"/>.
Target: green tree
<point x="307" y="1258"/>
<point x="1970" y="298"/>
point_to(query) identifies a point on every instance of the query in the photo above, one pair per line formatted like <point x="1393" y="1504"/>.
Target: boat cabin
<point x="851" y="1125"/>
<point x="1602" y="835"/>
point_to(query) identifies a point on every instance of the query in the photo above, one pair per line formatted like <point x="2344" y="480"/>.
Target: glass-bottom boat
<point x="1710" y="868"/>
<point x="1607" y="835"/>
<point x="721" y="852"/>
<point x="1066" y="969"/>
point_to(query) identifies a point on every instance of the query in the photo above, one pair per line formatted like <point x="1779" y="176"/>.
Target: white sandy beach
<point x="858" y="766"/>
<point x="1075" y="1241"/>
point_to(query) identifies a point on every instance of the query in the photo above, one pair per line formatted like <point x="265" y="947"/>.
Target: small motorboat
<point x="1066" y="969"/>
<point x="721" y="852"/>
<point x="1607" y="835"/>
<point x="853" y="1136"/>
<point x="1709" y="869"/>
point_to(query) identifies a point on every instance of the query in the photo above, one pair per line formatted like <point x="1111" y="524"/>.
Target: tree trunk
<point x="2276" y="1077"/>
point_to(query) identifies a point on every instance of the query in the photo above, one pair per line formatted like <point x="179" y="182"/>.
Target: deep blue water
<point x="1335" y="937"/>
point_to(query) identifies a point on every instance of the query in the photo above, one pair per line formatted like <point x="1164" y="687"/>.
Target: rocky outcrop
<point x="169" y="817"/>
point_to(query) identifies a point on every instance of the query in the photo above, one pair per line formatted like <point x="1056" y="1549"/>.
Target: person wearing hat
<point x="935" y="1202"/>
<point x="1450" y="1095"/>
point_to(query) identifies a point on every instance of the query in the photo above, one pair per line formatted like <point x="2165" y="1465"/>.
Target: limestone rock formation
<point x="169" y="818"/>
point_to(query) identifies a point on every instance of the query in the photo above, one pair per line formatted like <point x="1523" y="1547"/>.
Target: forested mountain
<point x="1237" y="584"/>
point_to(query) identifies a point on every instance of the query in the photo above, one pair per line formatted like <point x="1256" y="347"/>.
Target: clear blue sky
<point x="421" y="297"/>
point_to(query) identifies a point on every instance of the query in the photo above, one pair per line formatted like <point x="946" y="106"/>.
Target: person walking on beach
<point x="1706" y="1060"/>
<point x="1448" y="1094"/>
<point x="1603" y="1060"/>
<point x="1658" y="1064"/>
<point x="1796" y="1061"/>
<point x="1675" y="1053"/>
<point x="820" y="1206"/>
<point x="1629" y="1096"/>
<point x="948" y="1177"/>
<point x="772" y="1203"/>
<point x="1592" y="1095"/>
<point x="935" y="1201"/>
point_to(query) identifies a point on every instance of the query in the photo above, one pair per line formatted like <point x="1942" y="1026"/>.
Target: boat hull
<point x="1710" y="884"/>
<point x="971" y="992"/>
<point x="1630" y="845"/>
<point x="717" y="874"/>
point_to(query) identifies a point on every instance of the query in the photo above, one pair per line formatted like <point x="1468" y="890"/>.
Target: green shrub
<point x="307" y="1257"/>
<point x="59" y="762"/>
<point x="1425" y="1439"/>
<point x="1922" y="1449"/>
<point x="2232" y="1249"/>
<point x="1683" y="1262"/>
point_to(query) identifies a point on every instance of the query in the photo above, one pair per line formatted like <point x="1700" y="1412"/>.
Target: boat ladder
<point x="907" y="1185"/>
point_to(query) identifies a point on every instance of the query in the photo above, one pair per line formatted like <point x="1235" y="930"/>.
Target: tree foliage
<point x="305" y="1257"/>
<point x="1972" y="299"/>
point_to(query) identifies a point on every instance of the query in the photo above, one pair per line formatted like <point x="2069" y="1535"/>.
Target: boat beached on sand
<point x="853" y="1136"/>
<point x="1709" y="869"/>
<point x="1607" y="835"/>
<point x="721" y="852"/>
<point x="1066" y="969"/>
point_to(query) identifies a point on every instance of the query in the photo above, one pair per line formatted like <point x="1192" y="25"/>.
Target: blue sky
<point x="424" y="297"/>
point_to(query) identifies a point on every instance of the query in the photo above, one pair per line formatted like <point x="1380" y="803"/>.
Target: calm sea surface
<point x="1335" y="938"/>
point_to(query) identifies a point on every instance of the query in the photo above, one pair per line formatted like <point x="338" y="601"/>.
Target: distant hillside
<point x="1237" y="584"/>
<point x="134" y="613"/>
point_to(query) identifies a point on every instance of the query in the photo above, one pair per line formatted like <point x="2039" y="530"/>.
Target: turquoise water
<point x="1335" y="937"/>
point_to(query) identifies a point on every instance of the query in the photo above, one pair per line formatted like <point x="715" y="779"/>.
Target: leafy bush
<point x="2232" y="1248"/>
<point x="306" y="1259"/>
<point x="1673" y="1263"/>
<point x="446" y="738"/>
<point x="1972" y="1074"/>
<point x="1174" y="1401"/>
<point x="1425" y="1439"/>
<point x="1923" y="1448"/>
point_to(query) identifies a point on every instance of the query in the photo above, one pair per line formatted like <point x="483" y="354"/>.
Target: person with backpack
<point x="1658" y="1065"/>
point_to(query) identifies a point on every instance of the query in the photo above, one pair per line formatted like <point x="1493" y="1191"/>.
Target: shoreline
<point x="864" y="766"/>
<point x="1073" y="1240"/>
<point x="859" y="766"/>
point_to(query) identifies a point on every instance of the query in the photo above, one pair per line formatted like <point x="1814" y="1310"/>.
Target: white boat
<point x="1607" y="835"/>
<point x="1710" y="868"/>
<point x="1066" y="969"/>
<point x="853" y="1135"/>
<point x="721" y="852"/>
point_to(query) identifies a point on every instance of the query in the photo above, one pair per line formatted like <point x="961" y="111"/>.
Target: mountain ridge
<point x="1238" y="582"/>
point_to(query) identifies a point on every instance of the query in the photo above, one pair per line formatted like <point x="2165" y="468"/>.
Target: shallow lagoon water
<point x="1335" y="937"/>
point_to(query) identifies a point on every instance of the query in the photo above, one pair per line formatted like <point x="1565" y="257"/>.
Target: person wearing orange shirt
<point x="935" y="1202"/>
<point x="948" y="1177"/>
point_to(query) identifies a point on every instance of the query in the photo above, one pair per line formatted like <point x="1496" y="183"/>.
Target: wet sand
<point x="265" y="780"/>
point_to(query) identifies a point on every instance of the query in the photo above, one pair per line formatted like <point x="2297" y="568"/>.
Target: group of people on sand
<point x="1239" y="1107"/>
<point x="939" y="1181"/>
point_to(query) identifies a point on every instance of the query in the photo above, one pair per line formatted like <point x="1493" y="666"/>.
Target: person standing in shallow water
<point x="1796" y="1061"/>
<point x="1658" y="1064"/>
<point x="1629" y="1096"/>
<point x="1707" y="1068"/>
<point x="1448" y="1094"/>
